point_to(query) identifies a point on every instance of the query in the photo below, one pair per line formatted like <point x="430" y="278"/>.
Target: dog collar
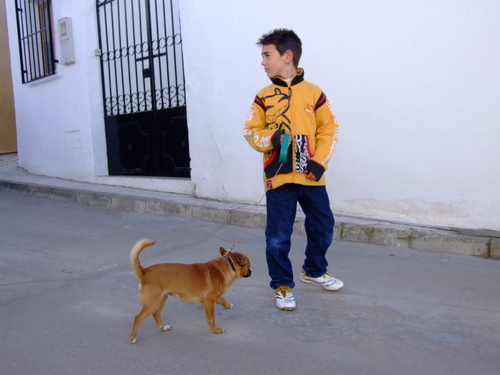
<point x="230" y="263"/>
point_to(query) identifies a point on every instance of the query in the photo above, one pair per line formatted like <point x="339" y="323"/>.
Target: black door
<point x="140" y="47"/>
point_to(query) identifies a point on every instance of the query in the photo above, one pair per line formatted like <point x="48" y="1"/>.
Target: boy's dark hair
<point x="284" y="40"/>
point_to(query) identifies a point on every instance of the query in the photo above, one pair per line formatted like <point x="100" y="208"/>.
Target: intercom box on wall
<point x="66" y="41"/>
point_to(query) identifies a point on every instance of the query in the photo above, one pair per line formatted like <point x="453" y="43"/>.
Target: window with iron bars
<point x="36" y="41"/>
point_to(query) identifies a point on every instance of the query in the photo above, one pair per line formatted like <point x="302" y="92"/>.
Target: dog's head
<point x="240" y="261"/>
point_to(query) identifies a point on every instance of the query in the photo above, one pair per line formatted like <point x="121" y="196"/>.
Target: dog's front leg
<point x="209" y="305"/>
<point x="222" y="301"/>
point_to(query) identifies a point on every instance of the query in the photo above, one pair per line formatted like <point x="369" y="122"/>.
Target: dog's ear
<point x="223" y="251"/>
<point x="241" y="260"/>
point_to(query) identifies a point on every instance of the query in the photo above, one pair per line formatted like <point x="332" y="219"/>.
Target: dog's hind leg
<point x="145" y="312"/>
<point x="209" y="305"/>
<point x="152" y="302"/>
<point x="157" y="315"/>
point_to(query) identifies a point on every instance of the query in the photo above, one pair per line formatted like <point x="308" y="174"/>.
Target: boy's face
<point x="276" y="64"/>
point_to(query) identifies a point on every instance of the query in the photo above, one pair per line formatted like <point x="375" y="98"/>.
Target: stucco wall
<point x="414" y="85"/>
<point x="53" y="114"/>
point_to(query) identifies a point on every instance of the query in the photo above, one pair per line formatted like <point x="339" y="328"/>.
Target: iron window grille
<point x="36" y="41"/>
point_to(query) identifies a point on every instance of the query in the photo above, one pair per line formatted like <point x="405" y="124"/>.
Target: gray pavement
<point x="68" y="298"/>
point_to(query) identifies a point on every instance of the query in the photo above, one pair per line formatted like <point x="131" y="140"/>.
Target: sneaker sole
<point x="305" y="281"/>
<point x="286" y="308"/>
<point x="332" y="290"/>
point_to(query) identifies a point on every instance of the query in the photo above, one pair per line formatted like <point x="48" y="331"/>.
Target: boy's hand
<point x="311" y="175"/>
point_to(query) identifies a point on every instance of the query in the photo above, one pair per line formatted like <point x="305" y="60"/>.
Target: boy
<point x="293" y="106"/>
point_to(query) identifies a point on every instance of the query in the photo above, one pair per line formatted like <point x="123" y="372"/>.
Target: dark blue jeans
<point x="319" y="222"/>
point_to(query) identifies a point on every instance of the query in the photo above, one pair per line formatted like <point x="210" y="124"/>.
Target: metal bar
<point x="175" y="55"/>
<point x="46" y="57"/>
<point x="120" y="93"/>
<point x="114" y="58"/>
<point x="104" y="2"/>
<point x="135" y="64"/>
<point x="144" y="84"/>
<point x="158" y="61"/>
<point x="22" y="55"/>
<point x="150" y="49"/>
<point x="28" y="42"/>
<point x="99" y="32"/>
<point x="128" y="56"/>
<point x="154" y="55"/>
<point x="50" y="38"/>
<point x="167" y="63"/>
<point x="33" y="45"/>
<point x="108" y="88"/>
<point x="37" y="32"/>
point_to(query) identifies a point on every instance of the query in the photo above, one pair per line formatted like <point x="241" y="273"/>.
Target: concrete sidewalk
<point x="483" y="243"/>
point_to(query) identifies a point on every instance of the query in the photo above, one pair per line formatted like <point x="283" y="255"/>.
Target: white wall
<point x="60" y="119"/>
<point x="53" y="132"/>
<point x="415" y="86"/>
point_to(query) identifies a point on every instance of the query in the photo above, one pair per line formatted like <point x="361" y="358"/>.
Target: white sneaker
<point x="284" y="298"/>
<point x="327" y="281"/>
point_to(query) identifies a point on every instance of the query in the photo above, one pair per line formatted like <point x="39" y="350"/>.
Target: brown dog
<point x="192" y="283"/>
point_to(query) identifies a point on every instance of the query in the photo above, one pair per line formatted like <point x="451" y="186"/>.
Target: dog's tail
<point x="134" y="255"/>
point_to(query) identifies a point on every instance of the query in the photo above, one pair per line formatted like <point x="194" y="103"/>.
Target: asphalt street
<point x="68" y="298"/>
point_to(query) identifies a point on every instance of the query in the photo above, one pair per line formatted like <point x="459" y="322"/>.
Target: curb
<point x="437" y="239"/>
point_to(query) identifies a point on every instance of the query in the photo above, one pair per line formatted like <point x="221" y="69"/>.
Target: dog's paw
<point x="165" y="328"/>
<point x="229" y="306"/>
<point x="219" y="330"/>
<point x="133" y="341"/>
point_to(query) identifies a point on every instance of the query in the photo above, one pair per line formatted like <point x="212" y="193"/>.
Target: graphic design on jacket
<point x="276" y="119"/>
<point x="303" y="110"/>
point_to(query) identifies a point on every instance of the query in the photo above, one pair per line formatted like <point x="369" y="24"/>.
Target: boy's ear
<point x="288" y="56"/>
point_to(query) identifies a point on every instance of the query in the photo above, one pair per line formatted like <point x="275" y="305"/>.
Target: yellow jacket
<point x="302" y="109"/>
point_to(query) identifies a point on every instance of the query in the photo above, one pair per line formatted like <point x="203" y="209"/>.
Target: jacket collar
<point x="297" y="79"/>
